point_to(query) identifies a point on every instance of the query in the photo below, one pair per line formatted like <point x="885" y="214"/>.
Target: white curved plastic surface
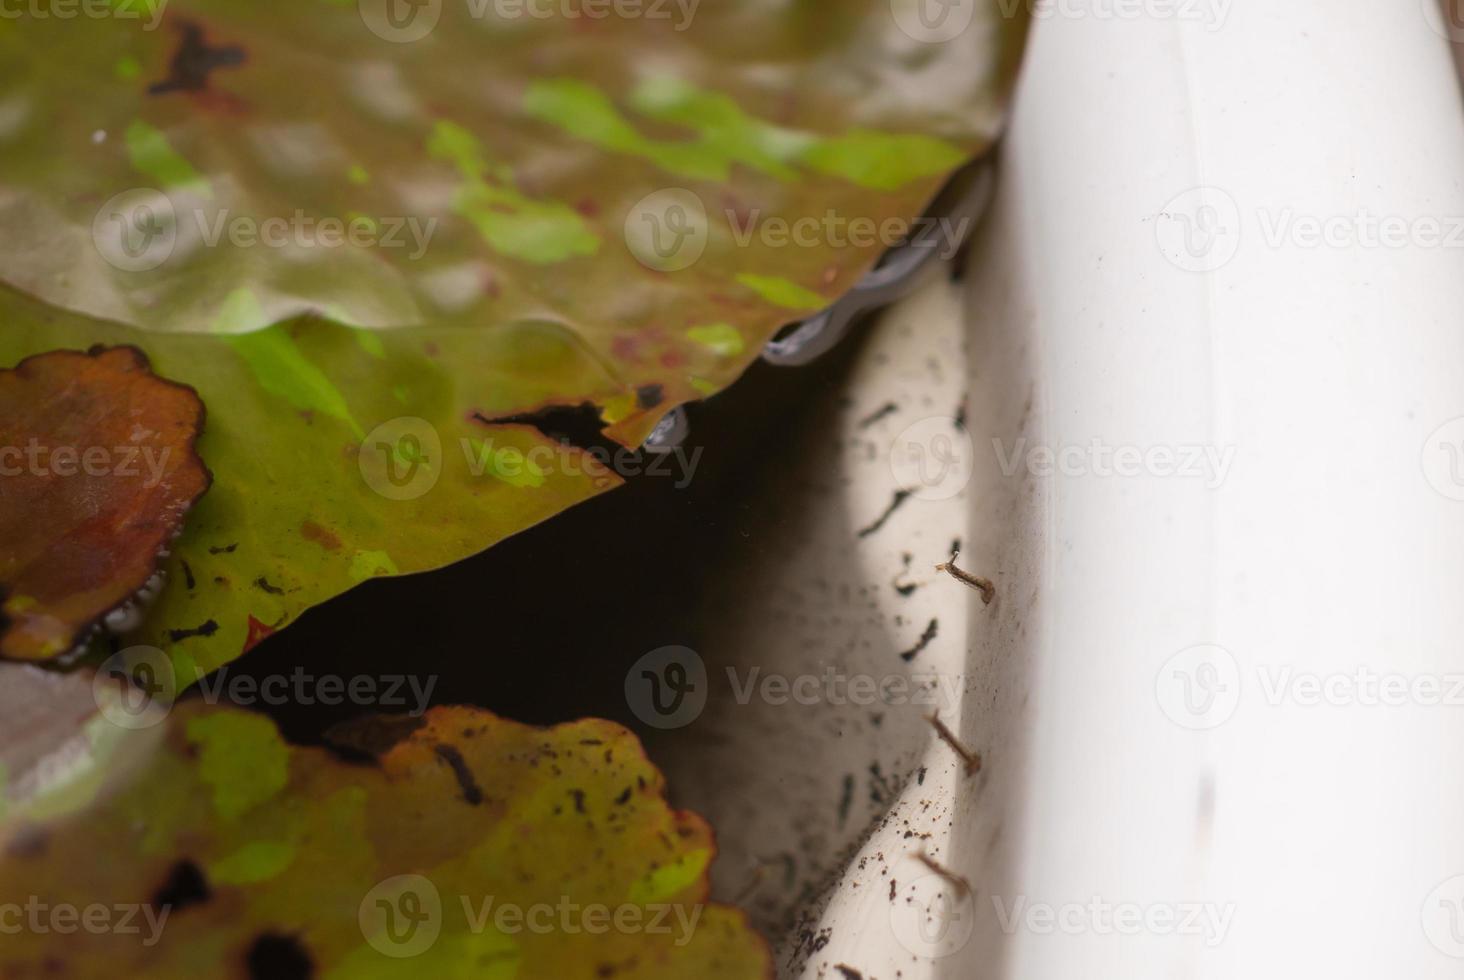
<point x="1184" y="774"/>
<point x="1321" y="829"/>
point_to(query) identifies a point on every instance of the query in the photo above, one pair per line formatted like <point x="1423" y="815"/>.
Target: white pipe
<point x="1332" y="544"/>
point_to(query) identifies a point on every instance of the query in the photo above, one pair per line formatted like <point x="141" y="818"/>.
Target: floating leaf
<point x="472" y="846"/>
<point x="97" y="471"/>
<point x="380" y="256"/>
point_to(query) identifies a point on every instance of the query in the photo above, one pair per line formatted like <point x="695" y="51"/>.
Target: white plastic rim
<point x="1235" y="245"/>
<point x="1214" y="389"/>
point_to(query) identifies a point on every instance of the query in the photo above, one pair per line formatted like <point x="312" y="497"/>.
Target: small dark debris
<point x="227" y="549"/>
<point x="29" y="842"/>
<point x="923" y="642"/>
<point x="194" y="61"/>
<point x="579" y="426"/>
<point x="880" y="790"/>
<point x="262" y="583"/>
<point x="885" y="410"/>
<point x="900" y="497"/>
<point x="849" y="972"/>
<point x="188" y="579"/>
<point x="846" y="798"/>
<point x="649" y="396"/>
<point x="277" y="957"/>
<point x="185" y="886"/>
<point x="449" y="754"/>
<point x="206" y="628"/>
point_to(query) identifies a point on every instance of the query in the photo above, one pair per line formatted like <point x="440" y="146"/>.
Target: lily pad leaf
<point x="98" y="469"/>
<point x="470" y="846"/>
<point x="452" y="224"/>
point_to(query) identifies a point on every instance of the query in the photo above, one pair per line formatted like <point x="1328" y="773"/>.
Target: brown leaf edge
<point x="86" y="629"/>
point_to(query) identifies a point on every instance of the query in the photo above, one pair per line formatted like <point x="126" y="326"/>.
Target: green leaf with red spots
<point x="469" y="847"/>
<point x="368" y="252"/>
<point x="97" y="470"/>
